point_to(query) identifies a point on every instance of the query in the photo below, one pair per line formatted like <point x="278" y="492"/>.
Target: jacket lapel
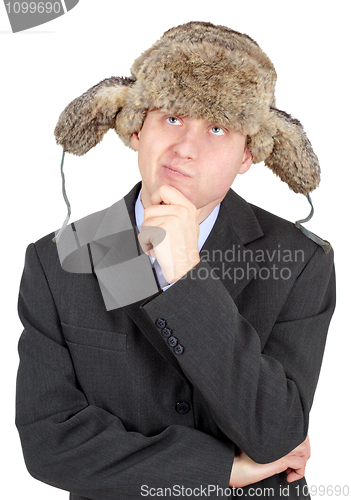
<point x="236" y="226"/>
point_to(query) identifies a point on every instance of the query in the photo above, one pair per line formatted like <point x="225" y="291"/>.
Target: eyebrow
<point x="170" y="112"/>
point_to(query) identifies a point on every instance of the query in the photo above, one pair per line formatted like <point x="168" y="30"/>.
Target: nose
<point x="188" y="144"/>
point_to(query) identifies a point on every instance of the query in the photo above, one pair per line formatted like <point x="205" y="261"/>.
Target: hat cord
<point x="57" y="237"/>
<point x="323" y="243"/>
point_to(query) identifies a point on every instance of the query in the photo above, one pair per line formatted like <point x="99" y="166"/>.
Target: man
<point x="173" y="342"/>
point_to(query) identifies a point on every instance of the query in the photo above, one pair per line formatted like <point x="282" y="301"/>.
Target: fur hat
<point x="203" y="71"/>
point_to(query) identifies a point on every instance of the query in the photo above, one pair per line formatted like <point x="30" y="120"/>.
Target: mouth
<point x="174" y="172"/>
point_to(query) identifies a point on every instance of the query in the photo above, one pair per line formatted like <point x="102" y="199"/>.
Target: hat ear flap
<point x="292" y="157"/>
<point x="85" y="121"/>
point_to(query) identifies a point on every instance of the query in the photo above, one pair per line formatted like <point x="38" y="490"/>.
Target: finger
<point x="165" y="194"/>
<point x="145" y="244"/>
<point x="164" y="211"/>
<point x="308" y="446"/>
<point x="293" y="476"/>
<point x="169" y="195"/>
<point x="304" y="449"/>
<point x="150" y="237"/>
<point x="293" y="463"/>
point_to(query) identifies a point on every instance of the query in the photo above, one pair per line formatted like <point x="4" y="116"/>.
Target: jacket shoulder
<point x="278" y="229"/>
<point x="46" y="247"/>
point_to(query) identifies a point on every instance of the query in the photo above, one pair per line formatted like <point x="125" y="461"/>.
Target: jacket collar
<point x="130" y="200"/>
<point x="242" y="217"/>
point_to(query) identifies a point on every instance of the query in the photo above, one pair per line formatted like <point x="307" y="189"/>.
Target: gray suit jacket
<point x="108" y="406"/>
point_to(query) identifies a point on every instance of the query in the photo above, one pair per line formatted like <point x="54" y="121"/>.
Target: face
<point x="199" y="158"/>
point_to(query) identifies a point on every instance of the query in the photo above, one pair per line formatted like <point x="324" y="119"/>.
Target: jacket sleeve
<point x="83" y="448"/>
<point x="260" y="398"/>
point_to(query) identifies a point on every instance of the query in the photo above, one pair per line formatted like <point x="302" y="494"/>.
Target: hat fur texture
<point x="203" y="71"/>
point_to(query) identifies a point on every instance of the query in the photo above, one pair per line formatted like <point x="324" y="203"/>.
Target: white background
<point x="43" y="69"/>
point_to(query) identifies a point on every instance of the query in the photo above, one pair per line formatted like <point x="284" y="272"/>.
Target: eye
<point x="217" y="130"/>
<point x="173" y="120"/>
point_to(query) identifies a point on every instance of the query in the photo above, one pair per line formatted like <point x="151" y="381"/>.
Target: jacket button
<point x="166" y="332"/>
<point x="182" y="407"/>
<point x="172" y="341"/>
<point x="160" y="323"/>
<point x="178" y="349"/>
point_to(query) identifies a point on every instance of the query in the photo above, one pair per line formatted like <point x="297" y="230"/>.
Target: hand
<point x="177" y="252"/>
<point x="245" y="471"/>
